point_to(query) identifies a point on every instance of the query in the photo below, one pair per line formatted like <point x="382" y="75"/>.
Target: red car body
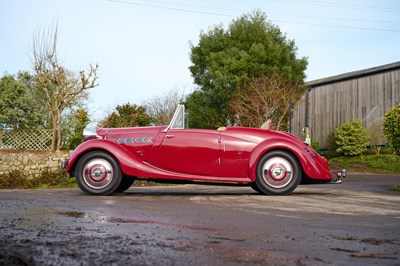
<point x="226" y="155"/>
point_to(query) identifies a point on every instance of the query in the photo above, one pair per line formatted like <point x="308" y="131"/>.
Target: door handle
<point x="170" y="136"/>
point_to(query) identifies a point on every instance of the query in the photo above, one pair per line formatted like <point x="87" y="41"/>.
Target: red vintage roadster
<point x="271" y="162"/>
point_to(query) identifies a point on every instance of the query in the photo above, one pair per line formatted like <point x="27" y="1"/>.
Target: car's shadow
<point x="241" y="191"/>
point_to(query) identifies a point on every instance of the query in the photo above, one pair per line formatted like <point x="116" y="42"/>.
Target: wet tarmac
<point x="355" y="223"/>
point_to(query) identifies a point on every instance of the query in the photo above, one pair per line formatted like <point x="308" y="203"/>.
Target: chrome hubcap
<point x="98" y="173"/>
<point x="277" y="172"/>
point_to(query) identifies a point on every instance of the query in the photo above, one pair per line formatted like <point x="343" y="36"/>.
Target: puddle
<point x="151" y="222"/>
<point x="374" y="255"/>
<point x="71" y="214"/>
<point x="372" y="241"/>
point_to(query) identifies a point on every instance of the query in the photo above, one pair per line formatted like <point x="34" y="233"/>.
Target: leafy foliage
<point x="391" y="129"/>
<point x="226" y="60"/>
<point x="201" y="114"/>
<point x="352" y="138"/>
<point x="73" y="130"/>
<point x="20" y="106"/>
<point x="315" y="145"/>
<point x="127" y="115"/>
<point x="395" y="188"/>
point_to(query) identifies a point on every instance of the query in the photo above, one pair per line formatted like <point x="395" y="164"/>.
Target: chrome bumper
<point x="338" y="176"/>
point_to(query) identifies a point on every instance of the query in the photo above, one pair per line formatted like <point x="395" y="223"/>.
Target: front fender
<point x="131" y="164"/>
<point x="311" y="162"/>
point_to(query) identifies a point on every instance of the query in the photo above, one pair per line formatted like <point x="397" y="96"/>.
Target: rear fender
<point x="309" y="165"/>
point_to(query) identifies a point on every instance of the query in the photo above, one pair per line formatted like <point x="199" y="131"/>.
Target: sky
<point x="142" y="47"/>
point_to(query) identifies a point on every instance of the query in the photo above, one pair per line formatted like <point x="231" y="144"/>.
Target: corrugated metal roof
<point x="353" y="75"/>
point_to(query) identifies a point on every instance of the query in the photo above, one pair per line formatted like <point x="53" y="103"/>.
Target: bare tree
<point x="264" y="98"/>
<point x="161" y="108"/>
<point x="62" y="88"/>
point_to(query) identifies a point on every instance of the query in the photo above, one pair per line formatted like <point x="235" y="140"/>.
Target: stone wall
<point x="31" y="163"/>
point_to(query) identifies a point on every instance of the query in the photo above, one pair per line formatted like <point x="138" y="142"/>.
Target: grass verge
<point x="382" y="163"/>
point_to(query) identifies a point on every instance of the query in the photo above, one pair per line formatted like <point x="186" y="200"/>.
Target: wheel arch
<point x="265" y="148"/>
<point x="125" y="159"/>
<point x="72" y="165"/>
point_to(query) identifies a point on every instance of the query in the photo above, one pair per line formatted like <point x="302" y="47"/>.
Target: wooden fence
<point x="33" y="139"/>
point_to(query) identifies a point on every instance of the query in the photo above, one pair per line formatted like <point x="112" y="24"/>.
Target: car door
<point x="234" y="157"/>
<point x="190" y="151"/>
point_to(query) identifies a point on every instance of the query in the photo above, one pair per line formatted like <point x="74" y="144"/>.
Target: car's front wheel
<point x="98" y="173"/>
<point x="278" y="173"/>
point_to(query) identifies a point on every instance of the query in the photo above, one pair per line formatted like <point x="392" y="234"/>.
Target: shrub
<point x="395" y="188"/>
<point x="15" y="179"/>
<point x="315" y="145"/>
<point x="391" y="129"/>
<point x="352" y="139"/>
<point x="51" y="178"/>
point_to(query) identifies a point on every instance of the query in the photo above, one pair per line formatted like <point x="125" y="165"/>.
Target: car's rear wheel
<point x="278" y="173"/>
<point x="98" y="173"/>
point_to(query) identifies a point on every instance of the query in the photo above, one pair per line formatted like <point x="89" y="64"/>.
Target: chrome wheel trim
<point x="98" y="173"/>
<point x="277" y="172"/>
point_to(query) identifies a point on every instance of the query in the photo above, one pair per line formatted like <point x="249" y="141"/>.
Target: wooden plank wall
<point x="365" y="98"/>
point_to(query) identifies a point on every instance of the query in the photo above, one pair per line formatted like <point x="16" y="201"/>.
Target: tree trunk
<point x="53" y="139"/>
<point x="58" y="130"/>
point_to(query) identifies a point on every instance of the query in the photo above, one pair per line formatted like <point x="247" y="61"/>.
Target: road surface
<point x="355" y="223"/>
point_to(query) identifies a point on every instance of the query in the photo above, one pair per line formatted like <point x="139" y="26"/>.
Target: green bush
<point x="352" y="139"/>
<point x="315" y="145"/>
<point x="395" y="188"/>
<point x="391" y="129"/>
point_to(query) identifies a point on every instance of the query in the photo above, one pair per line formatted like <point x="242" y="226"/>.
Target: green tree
<point x="73" y="130"/>
<point x="352" y="138"/>
<point x="391" y="129"/>
<point x="127" y="115"/>
<point x="20" y="106"/>
<point x="201" y="114"/>
<point x="226" y="60"/>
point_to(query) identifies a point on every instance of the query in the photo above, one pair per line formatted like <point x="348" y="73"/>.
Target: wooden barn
<point x="365" y="95"/>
